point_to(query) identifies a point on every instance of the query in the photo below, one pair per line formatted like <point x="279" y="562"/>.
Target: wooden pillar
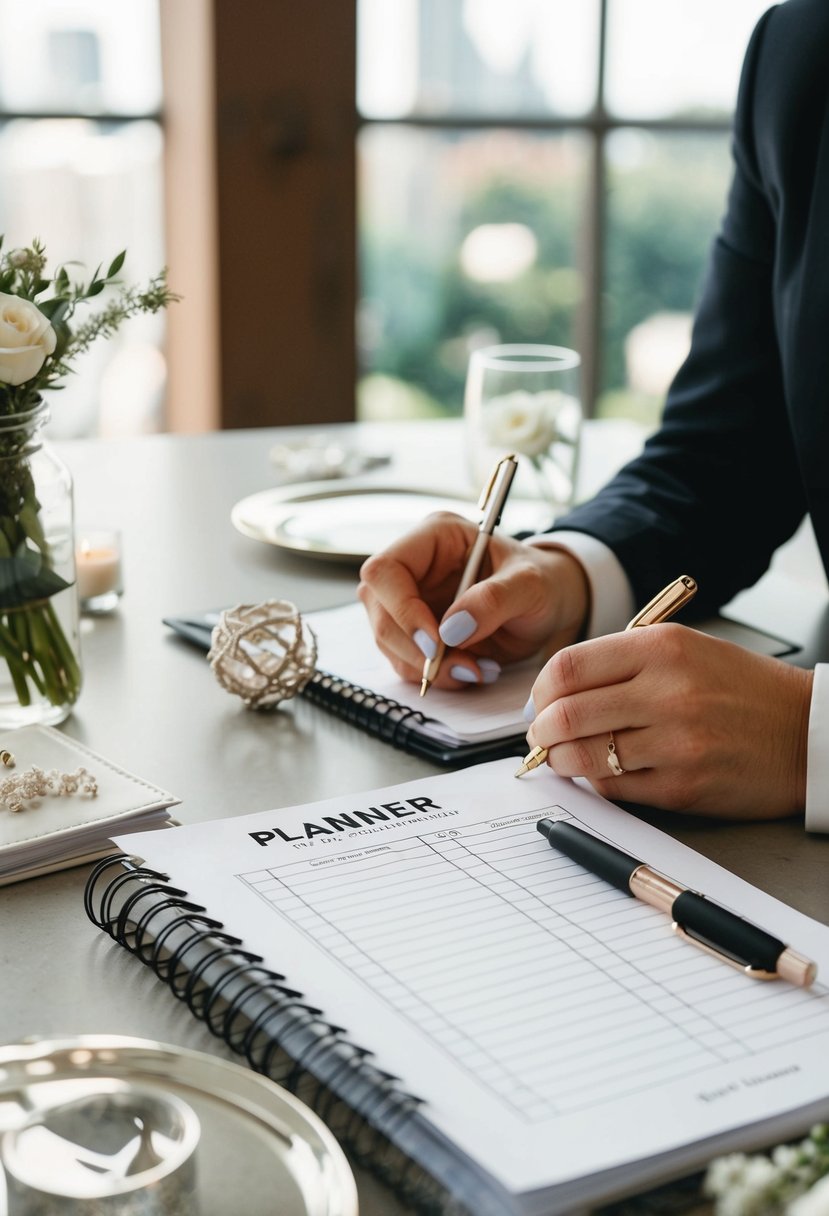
<point x="285" y="155"/>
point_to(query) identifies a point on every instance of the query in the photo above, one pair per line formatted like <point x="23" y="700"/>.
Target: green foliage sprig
<point x="38" y="343"/>
<point x="23" y="275"/>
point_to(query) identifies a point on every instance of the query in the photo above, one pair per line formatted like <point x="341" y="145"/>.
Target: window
<point x="80" y="168"/>
<point x="538" y="171"/>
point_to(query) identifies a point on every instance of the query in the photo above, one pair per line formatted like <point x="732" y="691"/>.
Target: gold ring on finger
<point x="612" y="757"/>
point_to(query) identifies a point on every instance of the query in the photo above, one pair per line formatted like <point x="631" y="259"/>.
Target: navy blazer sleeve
<point x="718" y="488"/>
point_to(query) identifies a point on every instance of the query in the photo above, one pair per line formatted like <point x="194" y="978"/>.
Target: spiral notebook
<point x="491" y="1028"/>
<point x="355" y="682"/>
<point x="459" y="728"/>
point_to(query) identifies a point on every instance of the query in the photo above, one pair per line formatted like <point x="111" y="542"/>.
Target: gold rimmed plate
<point x="340" y="522"/>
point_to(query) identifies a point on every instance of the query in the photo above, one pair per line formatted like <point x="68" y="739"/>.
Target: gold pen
<point x="490" y="504"/>
<point x="663" y="606"/>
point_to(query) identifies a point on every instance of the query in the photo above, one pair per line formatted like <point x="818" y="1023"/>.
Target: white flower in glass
<point x="540" y="426"/>
<point x="523" y="422"/>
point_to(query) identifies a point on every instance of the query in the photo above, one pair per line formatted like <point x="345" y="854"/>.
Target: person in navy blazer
<point x="739" y="459"/>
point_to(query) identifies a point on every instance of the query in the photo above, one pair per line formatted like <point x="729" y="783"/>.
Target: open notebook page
<point x="558" y="1031"/>
<point x="347" y="649"/>
<point x="469" y="715"/>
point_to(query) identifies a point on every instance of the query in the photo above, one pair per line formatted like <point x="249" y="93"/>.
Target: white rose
<point x="522" y="422"/>
<point x="26" y="339"/>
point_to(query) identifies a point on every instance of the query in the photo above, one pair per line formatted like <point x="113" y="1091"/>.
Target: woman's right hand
<point x="528" y="598"/>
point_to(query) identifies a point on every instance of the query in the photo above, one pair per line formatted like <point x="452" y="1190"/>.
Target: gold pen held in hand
<point x="661" y="608"/>
<point x="490" y="504"/>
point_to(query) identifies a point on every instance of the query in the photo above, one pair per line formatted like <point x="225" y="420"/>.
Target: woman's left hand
<point x="699" y="724"/>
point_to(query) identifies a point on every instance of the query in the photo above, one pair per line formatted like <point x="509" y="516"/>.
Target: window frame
<point x="597" y="124"/>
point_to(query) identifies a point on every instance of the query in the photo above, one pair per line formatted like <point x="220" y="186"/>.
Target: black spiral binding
<point x="389" y="720"/>
<point x="385" y="718"/>
<point x="256" y="1012"/>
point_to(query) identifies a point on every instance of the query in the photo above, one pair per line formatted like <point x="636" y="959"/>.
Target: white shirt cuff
<point x="611" y="597"/>
<point x="817" y="759"/>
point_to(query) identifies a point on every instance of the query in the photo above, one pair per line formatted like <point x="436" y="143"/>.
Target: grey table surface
<point x="150" y="703"/>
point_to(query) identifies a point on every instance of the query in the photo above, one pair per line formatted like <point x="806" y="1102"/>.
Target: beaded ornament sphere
<point x="263" y="653"/>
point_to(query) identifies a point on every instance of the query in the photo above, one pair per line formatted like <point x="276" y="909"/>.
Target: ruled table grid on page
<point x="549" y="986"/>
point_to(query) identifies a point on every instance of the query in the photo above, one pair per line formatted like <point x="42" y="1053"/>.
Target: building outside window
<point x="538" y="171"/>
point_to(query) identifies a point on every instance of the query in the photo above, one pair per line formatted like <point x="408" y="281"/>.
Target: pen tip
<point x="532" y="760"/>
<point x="424" y="687"/>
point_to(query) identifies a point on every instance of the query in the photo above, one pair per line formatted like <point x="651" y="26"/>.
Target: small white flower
<point x="743" y="1186"/>
<point x="814" y="1203"/>
<point x="18" y="257"/>
<point x="740" y="1201"/>
<point x="724" y="1173"/>
<point x="759" y="1173"/>
<point x="785" y="1157"/>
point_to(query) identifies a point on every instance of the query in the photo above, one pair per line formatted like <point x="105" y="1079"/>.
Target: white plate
<point x="340" y="522"/>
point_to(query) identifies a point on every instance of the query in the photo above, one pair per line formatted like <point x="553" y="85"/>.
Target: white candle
<point x="98" y="564"/>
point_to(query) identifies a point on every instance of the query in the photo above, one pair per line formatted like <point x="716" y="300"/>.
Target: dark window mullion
<point x="598" y="122"/>
<point x="594" y="235"/>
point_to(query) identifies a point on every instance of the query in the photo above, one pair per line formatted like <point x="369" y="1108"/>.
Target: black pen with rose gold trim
<point x="696" y="918"/>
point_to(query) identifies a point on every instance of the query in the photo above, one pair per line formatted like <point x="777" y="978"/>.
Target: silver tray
<point x="261" y="1152"/>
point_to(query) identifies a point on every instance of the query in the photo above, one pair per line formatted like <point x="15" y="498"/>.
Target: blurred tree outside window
<point x="538" y="171"/>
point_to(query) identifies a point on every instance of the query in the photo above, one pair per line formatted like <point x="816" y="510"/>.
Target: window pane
<point x="81" y="56"/>
<point x="88" y="190"/>
<point x="477" y="57"/>
<point x="666" y="196"/>
<point x="465" y="239"/>
<point x="681" y="57"/>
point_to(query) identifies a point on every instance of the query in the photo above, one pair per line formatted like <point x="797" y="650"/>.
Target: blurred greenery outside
<point x="421" y="314"/>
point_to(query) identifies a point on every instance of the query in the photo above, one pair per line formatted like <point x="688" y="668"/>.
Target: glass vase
<point x="40" y="666"/>
<point x="525" y="399"/>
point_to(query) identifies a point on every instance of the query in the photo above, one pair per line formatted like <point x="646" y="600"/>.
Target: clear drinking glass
<point x="526" y="399"/>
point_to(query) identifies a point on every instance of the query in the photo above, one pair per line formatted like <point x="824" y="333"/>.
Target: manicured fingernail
<point x="529" y="711"/>
<point x="457" y="628"/>
<point x="490" y="670"/>
<point x="427" y="646"/>
<point x="465" y="674"/>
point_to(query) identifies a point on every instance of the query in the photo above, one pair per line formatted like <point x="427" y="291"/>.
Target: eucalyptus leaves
<point x="39" y="339"/>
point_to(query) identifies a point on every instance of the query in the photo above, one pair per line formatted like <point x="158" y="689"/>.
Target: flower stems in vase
<point x="33" y="643"/>
<point x="39" y="339"/>
<point x="38" y="655"/>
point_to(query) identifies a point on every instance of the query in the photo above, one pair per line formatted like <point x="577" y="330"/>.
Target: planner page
<point x="554" y="1026"/>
